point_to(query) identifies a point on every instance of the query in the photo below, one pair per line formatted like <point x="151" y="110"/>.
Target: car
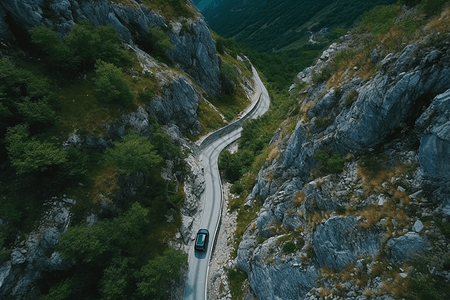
<point x="202" y="240"/>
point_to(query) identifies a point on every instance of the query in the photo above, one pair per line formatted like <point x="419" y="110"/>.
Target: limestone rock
<point x="402" y="247"/>
<point x="338" y="242"/>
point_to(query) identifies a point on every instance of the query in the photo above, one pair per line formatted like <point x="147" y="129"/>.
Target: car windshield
<point x="201" y="239"/>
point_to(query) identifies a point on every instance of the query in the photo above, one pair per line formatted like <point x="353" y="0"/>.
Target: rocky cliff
<point x="354" y="233"/>
<point x="194" y="48"/>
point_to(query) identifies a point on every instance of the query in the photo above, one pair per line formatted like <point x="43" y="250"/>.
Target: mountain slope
<point x="284" y="24"/>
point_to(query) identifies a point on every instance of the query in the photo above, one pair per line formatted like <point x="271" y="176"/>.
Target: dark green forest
<point x="271" y="25"/>
<point x="123" y="254"/>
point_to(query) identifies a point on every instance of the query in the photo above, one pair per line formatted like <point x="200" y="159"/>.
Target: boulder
<point x="285" y="281"/>
<point x="435" y="143"/>
<point x="178" y="106"/>
<point x="338" y="242"/>
<point x="403" y="247"/>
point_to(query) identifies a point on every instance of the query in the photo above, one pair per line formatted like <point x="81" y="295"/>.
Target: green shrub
<point x="111" y="85"/>
<point x="229" y="78"/>
<point x="236" y="278"/>
<point x="351" y="97"/>
<point x="133" y="153"/>
<point x="237" y="188"/>
<point x="29" y="154"/>
<point x="329" y="163"/>
<point x="341" y="210"/>
<point x="235" y="165"/>
<point x="432" y="6"/>
<point x="81" y="47"/>
<point x="380" y="19"/>
<point x="289" y="247"/>
<point x="322" y="123"/>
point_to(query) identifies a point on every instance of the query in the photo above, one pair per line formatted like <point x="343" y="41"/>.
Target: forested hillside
<point x="92" y="187"/>
<point x="284" y="25"/>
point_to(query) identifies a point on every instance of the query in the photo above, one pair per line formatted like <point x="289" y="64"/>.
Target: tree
<point x="110" y="84"/>
<point x="104" y="240"/>
<point x="155" y="274"/>
<point x="133" y="153"/>
<point x="31" y="154"/>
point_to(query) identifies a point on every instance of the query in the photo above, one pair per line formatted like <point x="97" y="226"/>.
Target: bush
<point x="351" y="97"/>
<point x="322" y="123"/>
<point x="29" y="154"/>
<point x="111" y="85"/>
<point x="432" y="6"/>
<point x="380" y="19"/>
<point x="341" y="210"/>
<point x="329" y="163"/>
<point x="81" y="47"/>
<point x="289" y="247"/>
<point x="229" y="78"/>
<point x="133" y="153"/>
<point x="235" y="165"/>
<point x="237" y="188"/>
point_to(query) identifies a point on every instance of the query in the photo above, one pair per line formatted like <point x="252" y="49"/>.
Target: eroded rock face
<point x="435" y="144"/>
<point x="34" y="255"/>
<point x="338" y="242"/>
<point x="178" y="106"/>
<point x="386" y="101"/>
<point x="194" y="50"/>
<point x="403" y="247"/>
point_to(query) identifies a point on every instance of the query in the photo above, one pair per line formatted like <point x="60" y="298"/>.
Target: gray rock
<point x="418" y="226"/>
<point x="195" y="51"/>
<point x="265" y="222"/>
<point x="338" y="242"/>
<point x="186" y="228"/>
<point x="324" y="106"/>
<point x="178" y="106"/>
<point x="402" y="247"/>
<point x="435" y="144"/>
<point x="270" y="281"/>
<point x="385" y="101"/>
<point x="376" y="56"/>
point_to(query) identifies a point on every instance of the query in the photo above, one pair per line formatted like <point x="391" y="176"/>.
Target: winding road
<point x="196" y="282"/>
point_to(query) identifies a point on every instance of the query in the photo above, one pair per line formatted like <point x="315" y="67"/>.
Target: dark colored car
<point x="202" y="240"/>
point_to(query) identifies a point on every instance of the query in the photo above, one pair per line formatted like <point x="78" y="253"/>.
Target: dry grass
<point x="319" y="183"/>
<point x="402" y="197"/>
<point x="374" y="213"/>
<point x="104" y="182"/>
<point x="441" y="22"/>
<point x="398" y="287"/>
<point x="327" y="273"/>
<point x="274" y="153"/>
<point x="324" y="292"/>
<point x="304" y="110"/>
<point x="299" y="198"/>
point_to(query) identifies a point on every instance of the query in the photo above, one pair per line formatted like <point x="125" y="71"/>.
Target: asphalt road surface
<point x="196" y="282"/>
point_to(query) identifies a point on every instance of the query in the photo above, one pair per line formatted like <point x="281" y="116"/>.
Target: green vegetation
<point x="329" y="163"/>
<point x="380" y="19"/>
<point x="156" y="42"/>
<point x="236" y="278"/>
<point x="111" y="85"/>
<point x="81" y="47"/>
<point x="322" y="123"/>
<point x="285" y="24"/>
<point x="78" y="83"/>
<point x="351" y="97"/>
<point x="31" y="154"/>
<point x="133" y="153"/>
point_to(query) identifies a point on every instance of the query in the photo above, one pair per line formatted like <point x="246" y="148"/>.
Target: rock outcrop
<point x="194" y="49"/>
<point x="399" y="120"/>
<point x="34" y="254"/>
